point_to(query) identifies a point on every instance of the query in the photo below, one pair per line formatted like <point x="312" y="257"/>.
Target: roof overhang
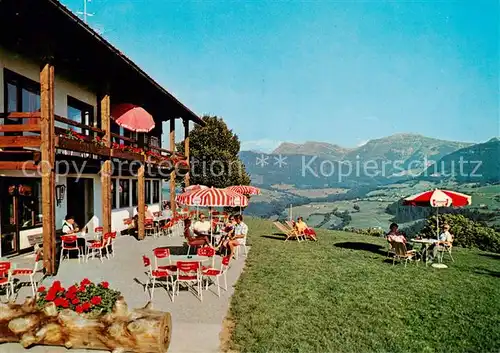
<point x="45" y="30"/>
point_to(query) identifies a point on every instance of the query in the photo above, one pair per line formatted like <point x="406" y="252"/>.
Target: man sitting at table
<point x="69" y="225"/>
<point x="201" y="226"/>
<point x="445" y="240"/>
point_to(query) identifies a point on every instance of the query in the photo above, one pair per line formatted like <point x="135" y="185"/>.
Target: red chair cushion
<point x="187" y="278"/>
<point x="211" y="272"/>
<point x="157" y="273"/>
<point x="172" y="268"/>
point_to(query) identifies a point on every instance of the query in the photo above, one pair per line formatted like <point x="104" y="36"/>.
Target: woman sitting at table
<point x="227" y="233"/>
<point x="193" y="239"/>
<point x="394" y="235"/>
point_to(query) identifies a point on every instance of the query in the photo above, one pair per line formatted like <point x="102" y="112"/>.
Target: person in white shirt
<point x="240" y="234"/>
<point x="167" y="213"/>
<point x="445" y="240"/>
<point x="69" y="225"/>
<point x="202" y="226"/>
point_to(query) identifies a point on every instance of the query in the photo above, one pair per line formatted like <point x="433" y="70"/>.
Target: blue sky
<point x="341" y="72"/>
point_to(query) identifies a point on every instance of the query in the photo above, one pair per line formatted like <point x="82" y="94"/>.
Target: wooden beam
<point x="106" y="167"/>
<point x="20" y="141"/>
<point x="141" y="202"/>
<point x="20" y="128"/>
<point x="47" y="148"/>
<point x="11" y="165"/>
<point x="172" y="174"/>
<point x="21" y="115"/>
<point x="186" y="148"/>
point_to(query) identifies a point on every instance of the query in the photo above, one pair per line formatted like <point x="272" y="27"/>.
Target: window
<point x="156" y="191"/>
<point x="22" y="94"/>
<point x="113" y="193"/>
<point x="124" y="192"/>
<point x="80" y="112"/>
<point x="135" y="195"/>
<point x="30" y="203"/>
<point x="147" y="191"/>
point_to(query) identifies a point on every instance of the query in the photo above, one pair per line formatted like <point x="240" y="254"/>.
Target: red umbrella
<point x="244" y="189"/>
<point x="438" y="198"/>
<point x="132" y="117"/>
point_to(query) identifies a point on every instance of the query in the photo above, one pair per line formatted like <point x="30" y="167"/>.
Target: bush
<point x="467" y="233"/>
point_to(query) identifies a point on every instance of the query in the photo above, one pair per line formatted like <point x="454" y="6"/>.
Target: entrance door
<point x="20" y="209"/>
<point x="80" y="196"/>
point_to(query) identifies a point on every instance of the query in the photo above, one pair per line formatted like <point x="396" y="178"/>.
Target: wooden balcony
<point x="89" y="141"/>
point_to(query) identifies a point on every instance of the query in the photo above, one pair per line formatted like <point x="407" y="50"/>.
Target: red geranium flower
<point x="70" y="295"/>
<point x="85" y="282"/>
<point x="86" y="306"/>
<point x="41" y="289"/>
<point x="79" y="309"/>
<point x="104" y="284"/>
<point x="81" y="289"/>
<point x="59" y="302"/>
<point x="96" y="300"/>
<point x="72" y="289"/>
<point x="75" y="301"/>
<point x="51" y="295"/>
<point x="56" y="285"/>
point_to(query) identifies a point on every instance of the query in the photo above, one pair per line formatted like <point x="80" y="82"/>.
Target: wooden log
<point x="140" y="330"/>
<point x="106" y="167"/>
<point x="141" y="197"/>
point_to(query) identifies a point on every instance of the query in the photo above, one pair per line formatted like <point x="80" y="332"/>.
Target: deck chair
<point x="402" y="254"/>
<point x="390" y="248"/>
<point x="290" y="233"/>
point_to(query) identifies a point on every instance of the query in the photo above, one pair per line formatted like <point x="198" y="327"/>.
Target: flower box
<point x="81" y="146"/>
<point x="53" y="319"/>
<point x="118" y="153"/>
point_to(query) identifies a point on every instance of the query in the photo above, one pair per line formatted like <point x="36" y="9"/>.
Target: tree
<point x="214" y="155"/>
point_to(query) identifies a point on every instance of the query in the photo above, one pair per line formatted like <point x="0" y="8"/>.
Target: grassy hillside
<point x="342" y="295"/>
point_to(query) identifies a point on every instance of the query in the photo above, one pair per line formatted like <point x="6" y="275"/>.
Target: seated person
<point x="195" y="240"/>
<point x="202" y="226"/>
<point x="167" y="213"/>
<point x="69" y="225"/>
<point x="147" y="213"/>
<point x="227" y="232"/>
<point x="70" y="228"/>
<point x="445" y="240"/>
<point x="300" y="226"/>
<point x="394" y="235"/>
<point x="240" y="234"/>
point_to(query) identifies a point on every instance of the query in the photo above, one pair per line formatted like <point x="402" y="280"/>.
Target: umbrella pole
<point x="437" y="222"/>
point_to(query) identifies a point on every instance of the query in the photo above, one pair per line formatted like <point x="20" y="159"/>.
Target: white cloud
<point x="361" y="143"/>
<point x="263" y="145"/>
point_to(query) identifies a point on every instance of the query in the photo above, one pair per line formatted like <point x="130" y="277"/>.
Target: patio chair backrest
<point x="4" y="268"/>
<point x="146" y="261"/>
<point x="98" y="229"/>
<point x="161" y="253"/>
<point x="69" y="240"/>
<point x="226" y="260"/>
<point x="206" y="251"/>
<point x="187" y="267"/>
<point x="399" y="248"/>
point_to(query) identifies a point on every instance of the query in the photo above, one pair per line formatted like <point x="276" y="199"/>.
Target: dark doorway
<point x="80" y="196"/>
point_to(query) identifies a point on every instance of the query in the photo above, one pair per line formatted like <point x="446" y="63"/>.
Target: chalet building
<point x="60" y="151"/>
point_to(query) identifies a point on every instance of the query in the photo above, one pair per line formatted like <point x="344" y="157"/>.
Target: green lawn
<point x="340" y="295"/>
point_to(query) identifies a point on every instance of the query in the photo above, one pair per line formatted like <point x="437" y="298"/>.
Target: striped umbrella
<point x="212" y="197"/>
<point x="244" y="189"/>
<point x="438" y="198"/>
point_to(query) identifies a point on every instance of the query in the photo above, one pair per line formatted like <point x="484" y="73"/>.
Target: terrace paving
<point x="196" y="325"/>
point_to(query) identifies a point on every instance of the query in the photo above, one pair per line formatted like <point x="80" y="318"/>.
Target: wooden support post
<point x="141" y="201"/>
<point x="173" y="206"/>
<point x="106" y="167"/>
<point x="47" y="148"/>
<point x="186" y="149"/>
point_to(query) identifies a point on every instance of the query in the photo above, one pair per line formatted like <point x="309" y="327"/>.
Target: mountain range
<point x="379" y="161"/>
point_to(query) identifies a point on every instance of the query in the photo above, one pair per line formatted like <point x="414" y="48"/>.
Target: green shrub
<point x="467" y="233"/>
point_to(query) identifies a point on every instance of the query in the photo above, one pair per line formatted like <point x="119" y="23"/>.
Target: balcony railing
<point x="21" y="130"/>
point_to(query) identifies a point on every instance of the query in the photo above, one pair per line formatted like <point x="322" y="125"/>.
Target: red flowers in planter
<point x="83" y="297"/>
<point x="73" y="135"/>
